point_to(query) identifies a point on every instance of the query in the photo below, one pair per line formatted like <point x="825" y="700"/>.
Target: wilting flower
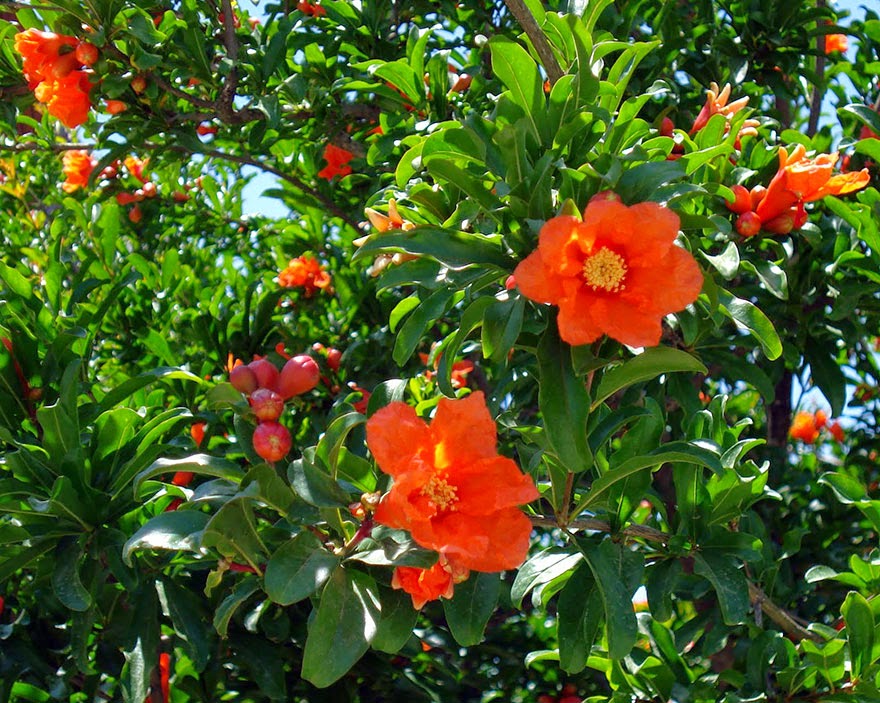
<point x="716" y="104"/>
<point x="337" y="160"/>
<point x="802" y="180"/>
<point x="304" y="272"/>
<point x="617" y="272"/>
<point x="428" y="584"/>
<point x="77" y="167"/>
<point x="452" y="490"/>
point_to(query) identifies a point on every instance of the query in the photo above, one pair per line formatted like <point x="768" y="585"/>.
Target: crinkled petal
<point x="560" y="244"/>
<point x="395" y="436"/>
<point x="577" y="322"/>
<point x="536" y="281"/>
<point x="484" y="543"/>
<point x="487" y="486"/>
<point x="462" y="431"/>
<point x="842" y="183"/>
<point x="672" y="283"/>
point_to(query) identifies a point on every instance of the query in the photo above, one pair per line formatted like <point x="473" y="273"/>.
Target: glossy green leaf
<point x="648" y="365"/>
<point x="579" y="614"/>
<point x="564" y="403"/>
<point x="66" y="576"/>
<point x="298" y="568"/>
<point x="343" y="627"/>
<point x="471" y="606"/>
<point x="179" y="530"/>
<point x="747" y="315"/>
<point x="859" y="619"/>
<point x="729" y="583"/>
<point x="457" y="250"/>
<point x="397" y="622"/>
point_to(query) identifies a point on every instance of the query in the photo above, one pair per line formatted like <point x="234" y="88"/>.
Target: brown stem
<point x="527" y="21"/>
<point x="816" y="101"/>
<point x="785" y="620"/>
<point x="779" y="412"/>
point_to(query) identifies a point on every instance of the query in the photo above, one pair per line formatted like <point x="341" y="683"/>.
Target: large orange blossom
<point x="617" y="272"/>
<point x="452" y="490"/>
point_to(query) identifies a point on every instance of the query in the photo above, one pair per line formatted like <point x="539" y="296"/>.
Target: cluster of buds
<point x="749" y="223"/>
<point x="267" y="390"/>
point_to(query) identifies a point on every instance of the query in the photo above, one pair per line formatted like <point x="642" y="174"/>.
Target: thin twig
<point x="536" y="35"/>
<point x="785" y="620"/>
<point x="816" y="102"/>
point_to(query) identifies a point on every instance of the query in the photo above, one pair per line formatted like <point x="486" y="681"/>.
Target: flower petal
<point x="484" y="543"/>
<point x="536" y="281"/>
<point x="395" y="436"/>
<point x="560" y="244"/>
<point x="487" y="486"/>
<point x="462" y="431"/>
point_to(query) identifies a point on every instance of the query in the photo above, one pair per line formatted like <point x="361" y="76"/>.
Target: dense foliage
<point x="556" y="381"/>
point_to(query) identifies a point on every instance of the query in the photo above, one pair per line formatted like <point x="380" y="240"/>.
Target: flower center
<point x="440" y="493"/>
<point x="606" y="270"/>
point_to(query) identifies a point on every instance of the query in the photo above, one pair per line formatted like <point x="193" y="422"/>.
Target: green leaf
<point x="457" y="250"/>
<point x="519" y="73"/>
<point x="429" y="310"/>
<point x="502" y="322"/>
<point x="729" y="582"/>
<point x="617" y="571"/>
<point x="263" y="484"/>
<point x="745" y="314"/>
<point x="189" y="619"/>
<point x="859" y="620"/>
<point x="564" y="403"/>
<point x="541" y="568"/>
<point x="232" y="531"/>
<point x="343" y="627"/>
<point x="578" y="616"/>
<point x="648" y="365"/>
<point x="397" y="621"/>
<point x="132" y="385"/>
<point x="243" y="590"/>
<point x="201" y="464"/>
<point x="471" y="606"/>
<point x="826" y="373"/>
<point x="179" y="530"/>
<point x="298" y="568"/>
<point x="60" y="432"/>
<point x="315" y="486"/>
<point x="333" y="440"/>
<point x="65" y="577"/>
<point x="660" y="585"/>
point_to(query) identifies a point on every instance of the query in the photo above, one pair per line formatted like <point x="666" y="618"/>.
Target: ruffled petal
<point x="842" y="183"/>
<point x="395" y="436"/>
<point x="577" y="322"/>
<point x="490" y="485"/>
<point x="462" y="431"/>
<point x="484" y="543"/>
<point x="560" y="247"/>
<point x="672" y="283"/>
<point x="536" y="281"/>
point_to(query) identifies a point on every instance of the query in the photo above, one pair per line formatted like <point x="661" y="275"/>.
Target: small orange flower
<point x="617" y="272"/>
<point x="716" y="104"/>
<point x="67" y="98"/>
<point x="77" y="167"/>
<point x="337" y="160"/>
<point x="804" y="428"/>
<point x="460" y="370"/>
<point x="304" y="272"/>
<point x="802" y="180"/>
<point x="452" y="490"/>
<point x="313" y="9"/>
<point x="836" y="42"/>
<point x="836" y="431"/>
<point x="423" y="584"/>
<point x="114" y="107"/>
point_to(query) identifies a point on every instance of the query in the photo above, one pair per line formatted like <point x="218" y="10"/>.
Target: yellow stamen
<point x="606" y="270"/>
<point x="439" y="492"/>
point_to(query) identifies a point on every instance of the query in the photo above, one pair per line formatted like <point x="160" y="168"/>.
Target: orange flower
<point x="836" y="42"/>
<point x="46" y="55"/>
<point x="460" y="370"/>
<point x="804" y="428"/>
<point x="67" y="98"/>
<point x="836" y="431"/>
<point x="618" y="272"/>
<point x="801" y="180"/>
<point x="114" y="107"/>
<point x="424" y="584"/>
<point x="313" y="9"/>
<point x="337" y="160"/>
<point x="136" y="166"/>
<point x="452" y="490"/>
<point x="716" y="104"/>
<point x="77" y="167"/>
<point x="304" y="272"/>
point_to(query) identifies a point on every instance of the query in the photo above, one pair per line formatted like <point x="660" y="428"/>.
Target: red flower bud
<point x="243" y="379"/>
<point x="267" y="405"/>
<point x="334" y="358"/>
<point x="742" y="200"/>
<point x="86" y="53"/>
<point x="266" y="373"/>
<point x="748" y="224"/>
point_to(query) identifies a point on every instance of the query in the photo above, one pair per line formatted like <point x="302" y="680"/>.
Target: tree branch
<point x="758" y="598"/>
<point x="527" y="21"/>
